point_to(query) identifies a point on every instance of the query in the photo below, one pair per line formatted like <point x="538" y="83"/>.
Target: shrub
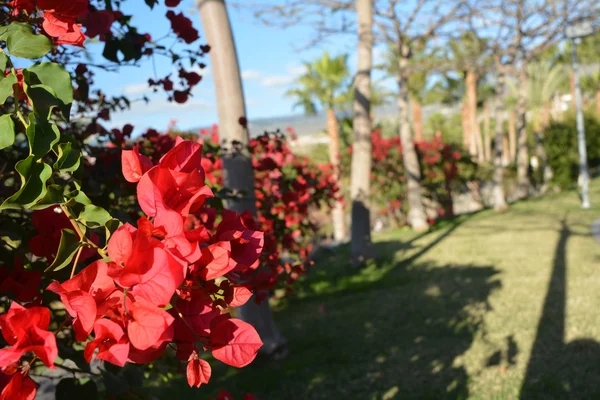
<point x="560" y="142"/>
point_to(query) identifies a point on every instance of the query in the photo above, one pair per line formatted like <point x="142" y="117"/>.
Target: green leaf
<point x="33" y="184"/>
<point x="111" y="226"/>
<point x="56" y="77"/>
<point x="7" y="131"/>
<point x="6" y="85"/>
<point x="68" y="158"/>
<point x="93" y="216"/>
<point x="42" y="98"/>
<point x="42" y="136"/>
<point x="69" y="243"/>
<point x="22" y="42"/>
<point x="54" y="196"/>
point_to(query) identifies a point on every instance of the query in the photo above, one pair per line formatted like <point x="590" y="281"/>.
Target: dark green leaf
<point x="68" y="158"/>
<point x="7" y="131"/>
<point x="151" y="3"/>
<point x="42" y="98"/>
<point x="6" y="86"/>
<point x="42" y="136"/>
<point x="93" y="216"/>
<point x="56" y="77"/>
<point x="33" y="184"/>
<point x="72" y="388"/>
<point x="69" y="243"/>
<point x="23" y="42"/>
<point x="54" y="195"/>
<point x="111" y="226"/>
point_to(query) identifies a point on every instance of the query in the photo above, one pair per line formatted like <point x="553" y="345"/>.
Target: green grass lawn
<point x="489" y="306"/>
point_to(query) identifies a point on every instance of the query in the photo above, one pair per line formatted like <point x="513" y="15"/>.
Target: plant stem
<point x="82" y="237"/>
<point x="76" y="261"/>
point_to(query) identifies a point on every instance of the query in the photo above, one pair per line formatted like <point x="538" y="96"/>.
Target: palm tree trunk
<point x="417" y="116"/>
<point x="486" y="132"/>
<point x="362" y="146"/>
<point x="505" y="149"/>
<point x="237" y="163"/>
<point x="522" y="150"/>
<point x="464" y="118"/>
<point x="337" y="214"/>
<point x="499" y="197"/>
<point x="512" y="135"/>
<point x="476" y="142"/>
<point x="416" y="211"/>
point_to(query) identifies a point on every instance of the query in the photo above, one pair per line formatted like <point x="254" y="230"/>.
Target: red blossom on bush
<point x="182" y="26"/>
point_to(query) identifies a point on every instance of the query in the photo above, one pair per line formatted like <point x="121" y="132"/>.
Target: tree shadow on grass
<point x="559" y="370"/>
<point x="398" y="342"/>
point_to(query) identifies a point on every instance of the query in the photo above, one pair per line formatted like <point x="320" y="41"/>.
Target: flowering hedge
<point x="80" y="282"/>
<point x="439" y="161"/>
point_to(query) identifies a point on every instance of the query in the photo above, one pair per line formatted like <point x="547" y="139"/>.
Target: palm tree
<point x="237" y="163"/>
<point x="325" y="83"/>
<point x="468" y="56"/>
<point x="362" y="147"/>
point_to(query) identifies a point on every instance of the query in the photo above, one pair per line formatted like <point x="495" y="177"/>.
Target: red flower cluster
<point x="439" y="168"/>
<point x="60" y="20"/>
<point x="182" y="26"/>
<point x="166" y="281"/>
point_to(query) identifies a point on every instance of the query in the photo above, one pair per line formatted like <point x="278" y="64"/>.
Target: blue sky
<point x="270" y="58"/>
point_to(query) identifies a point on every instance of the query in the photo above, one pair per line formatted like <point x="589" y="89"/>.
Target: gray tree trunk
<point x="337" y="213"/>
<point x="237" y="163"/>
<point x="362" y="146"/>
<point x="499" y="197"/>
<point x="416" y="211"/>
<point x="522" y="150"/>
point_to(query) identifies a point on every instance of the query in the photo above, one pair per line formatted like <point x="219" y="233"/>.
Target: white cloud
<point x="293" y="72"/>
<point x="251" y="74"/>
<point x="277" y="80"/>
<point x="137" y="88"/>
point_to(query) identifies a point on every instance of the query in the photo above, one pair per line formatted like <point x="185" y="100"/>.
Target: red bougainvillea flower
<point x="65" y="9"/>
<point x="24" y="285"/>
<point x="182" y="26"/>
<point x="18" y="87"/>
<point x="64" y="30"/>
<point x="198" y="371"/>
<point x="26" y="330"/>
<point x="234" y="342"/>
<point x="108" y="337"/>
<point x="19" y="387"/>
<point x="150" y="325"/>
<point x="98" y="23"/>
<point x="134" y="164"/>
<point x="21" y="5"/>
<point x="172" y="3"/>
<point x="82" y="294"/>
<point x="245" y="238"/>
<point x="142" y="264"/>
<point x="176" y="183"/>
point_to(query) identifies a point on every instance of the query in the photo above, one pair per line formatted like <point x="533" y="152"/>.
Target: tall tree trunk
<point x="416" y="211"/>
<point x="237" y="163"/>
<point x="487" y="140"/>
<point x="572" y="85"/>
<point x="465" y="120"/>
<point x="337" y="214"/>
<point x="499" y="197"/>
<point x="522" y="150"/>
<point x="471" y="87"/>
<point x="362" y="146"/>
<point x="512" y="135"/>
<point x="505" y="149"/>
<point x="417" y="116"/>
